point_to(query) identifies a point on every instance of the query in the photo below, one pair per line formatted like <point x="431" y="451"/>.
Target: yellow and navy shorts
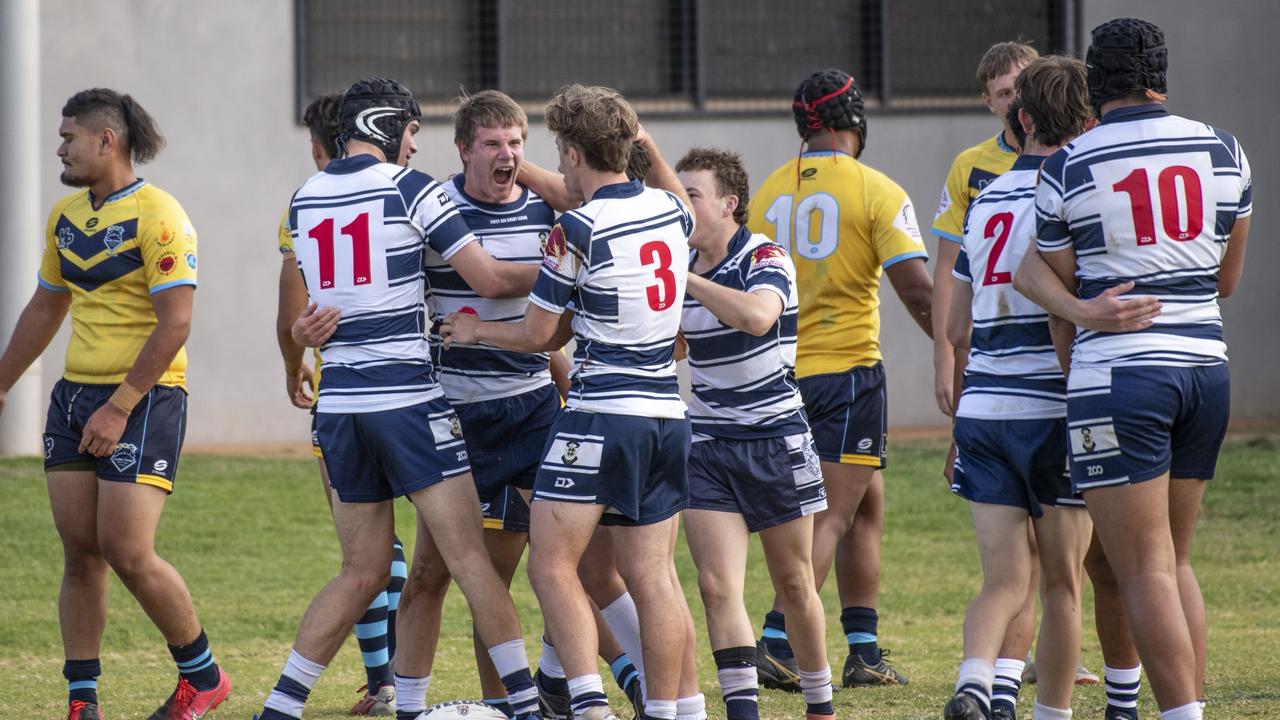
<point x="848" y="415"/>
<point x="148" y="450"/>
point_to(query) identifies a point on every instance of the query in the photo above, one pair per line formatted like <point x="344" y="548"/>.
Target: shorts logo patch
<point x="811" y="462"/>
<point x="113" y="239"/>
<point x="1093" y="439"/>
<point x="570" y="454"/>
<point x="446" y="431"/>
<point x="455" y="426"/>
<point x="48" y="447"/>
<point x="125" y="456"/>
<point x="574" y="454"/>
<point x="564" y="482"/>
<point x="864" y="445"/>
<point x="160" y="466"/>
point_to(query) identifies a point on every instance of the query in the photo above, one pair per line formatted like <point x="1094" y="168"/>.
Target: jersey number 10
<point x="358" y="231"/>
<point x="1137" y="187"/>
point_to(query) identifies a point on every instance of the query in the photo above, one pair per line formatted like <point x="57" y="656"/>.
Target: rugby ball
<point x="466" y="709"/>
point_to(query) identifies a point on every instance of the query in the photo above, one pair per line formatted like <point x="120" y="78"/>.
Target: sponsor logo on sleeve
<point x="65" y="237"/>
<point x="943" y="203"/>
<point x="191" y="260"/>
<point x="905" y="221"/>
<point x="166" y="263"/>
<point x="166" y="236"/>
<point x="768" y="255"/>
<point x="555" y="248"/>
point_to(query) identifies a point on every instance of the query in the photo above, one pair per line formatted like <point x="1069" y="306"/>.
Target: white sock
<point x="1122" y="685"/>
<point x="1044" y="712"/>
<point x="1008" y="679"/>
<point x="816" y="686"/>
<point x="976" y="677"/>
<point x="411" y="693"/>
<point x="549" y="663"/>
<point x="624" y="623"/>
<point x="1190" y="711"/>
<point x="299" y="670"/>
<point x="660" y="709"/>
<point x="693" y="707"/>
<point x="509" y="657"/>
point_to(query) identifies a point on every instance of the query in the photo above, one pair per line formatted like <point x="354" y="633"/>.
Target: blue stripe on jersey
<point x="490" y="362"/>
<point x="628" y="355"/>
<point x="1199" y="331"/>
<point x="337" y="379"/>
<point x="1197" y="285"/>
<point x="362" y="331"/>
<point x="1032" y="331"/>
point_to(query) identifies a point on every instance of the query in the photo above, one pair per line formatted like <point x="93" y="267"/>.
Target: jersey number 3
<point x="662" y="295"/>
<point x="358" y="231"/>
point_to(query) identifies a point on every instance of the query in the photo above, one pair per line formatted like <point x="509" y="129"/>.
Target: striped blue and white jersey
<point x="618" y="262"/>
<point x="744" y="387"/>
<point x="515" y="232"/>
<point x="1149" y="197"/>
<point x="1013" y="372"/>
<point x="359" y="231"/>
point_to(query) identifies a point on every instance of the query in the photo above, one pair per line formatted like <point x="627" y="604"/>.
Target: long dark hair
<point x="123" y="114"/>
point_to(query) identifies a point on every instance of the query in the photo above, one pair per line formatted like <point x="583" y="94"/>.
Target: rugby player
<point x="371" y="219"/>
<point x="844" y="223"/>
<point x="752" y="467"/>
<point x="120" y="254"/>
<point x="619" y="450"/>
<point x="1153" y="205"/>
<point x="1011" y="417"/>
<point x="375" y="630"/>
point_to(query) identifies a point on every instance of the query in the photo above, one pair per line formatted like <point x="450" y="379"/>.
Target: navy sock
<point x="860" y="625"/>
<point x="499" y="704"/>
<point x="624" y="671"/>
<point x="775" y="635"/>
<point x="82" y="680"/>
<point x="195" y="663"/>
<point x="399" y="572"/>
<point x="371" y="634"/>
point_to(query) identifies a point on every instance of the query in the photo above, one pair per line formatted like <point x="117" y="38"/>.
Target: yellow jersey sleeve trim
<point x="155" y="481"/>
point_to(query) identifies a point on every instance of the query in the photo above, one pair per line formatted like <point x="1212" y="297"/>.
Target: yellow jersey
<point x="843" y="222"/>
<point x="112" y="260"/>
<point x="971" y="171"/>
<point x="284" y="243"/>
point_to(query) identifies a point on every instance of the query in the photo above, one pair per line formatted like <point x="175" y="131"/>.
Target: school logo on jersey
<point x="768" y="255"/>
<point x="166" y="235"/>
<point x="166" y="263"/>
<point x="191" y="260"/>
<point x="555" y="248"/>
<point x="113" y="239"/>
<point x="65" y="237"/>
<point x="125" y="456"/>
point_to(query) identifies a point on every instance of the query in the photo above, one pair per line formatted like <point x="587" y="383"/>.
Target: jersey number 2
<point x="662" y="295"/>
<point x="1144" y="221"/>
<point x="358" y="231"/>
<point x="998" y="227"/>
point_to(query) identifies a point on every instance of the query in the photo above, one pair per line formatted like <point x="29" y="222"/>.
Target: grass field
<point x="253" y="538"/>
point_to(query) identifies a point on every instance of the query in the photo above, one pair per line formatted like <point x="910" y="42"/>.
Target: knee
<point x="833" y="522"/>
<point x="1007" y="587"/>
<point x="718" y="591"/>
<point x="548" y="573"/>
<point x="366" y="581"/>
<point x="127" y="559"/>
<point x="795" y="590"/>
<point x="431" y="582"/>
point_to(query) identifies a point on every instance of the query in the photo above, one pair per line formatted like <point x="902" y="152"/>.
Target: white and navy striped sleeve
<point x="1052" y="231"/>
<point x="430" y="208"/>
<point x="567" y="253"/>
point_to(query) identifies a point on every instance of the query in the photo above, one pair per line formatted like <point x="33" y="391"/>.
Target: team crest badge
<point x="455" y="427"/>
<point x="768" y="255"/>
<point x="570" y="455"/>
<point x="166" y="235"/>
<point x="113" y="239"/>
<point x="48" y="447"/>
<point x="125" y="456"/>
<point x="1086" y="440"/>
<point x="191" y="260"/>
<point x="554" y="248"/>
<point x="65" y="237"/>
<point x="166" y="263"/>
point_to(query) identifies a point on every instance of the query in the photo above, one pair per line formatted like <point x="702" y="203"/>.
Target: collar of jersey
<point x="1135" y="112"/>
<point x="1000" y="143"/>
<point x="1028" y="162"/>
<point x="120" y="194"/>
<point x="736" y="242"/>
<point x="348" y="165"/>
<point x="823" y="153"/>
<point x="630" y="188"/>
<point x="460" y="182"/>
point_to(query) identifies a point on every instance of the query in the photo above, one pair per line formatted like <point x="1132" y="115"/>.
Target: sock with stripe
<point x="82" y="680"/>
<point x="1190" y="711"/>
<point x="775" y="635"/>
<point x="587" y="691"/>
<point x="1122" y="685"/>
<point x="1007" y="684"/>
<point x="816" y="687"/>
<point x="860" y="625"/>
<point x="975" y="677"/>
<point x="195" y="663"/>
<point x="399" y="573"/>
<point x="499" y="704"/>
<point x="1044" y="712"/>
<point x="289" y="695"/>
<point x="512" y="664"/>
<point x="624" y="671"/>
<point x="660" y="710"/>
<point x="739" y="683"/>
<point x="371" y="634"/>
<point x="411" y="695"/>
<point x="693" y="707"/>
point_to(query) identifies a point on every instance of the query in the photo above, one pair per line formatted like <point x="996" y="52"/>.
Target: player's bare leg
<point x="82" y="601"/>
<point x="598" y="572"/>
<point x="648" y="569"/>
<point x="1022" y="631"/>
<point x="364" y="534"/>
<point x="787" y="553"/>
<point x="857" y="560"/>
<point x="1184" y="507"/>
<point x="1064" y="539"/>
<point x="718" y="542"/>
<point x="505" y="550"/>
<point x="689" y="699"/>
<point x="558" y="535"/>
<point x="128" y="514"/>
<point x="846" y="485"/>
<point x="1133" y="523"/>
<point x="1006" y="564"/>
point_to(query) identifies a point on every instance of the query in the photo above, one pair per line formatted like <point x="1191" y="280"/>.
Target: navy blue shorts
<point x="1022" y="463"/>
<point x="148" y="450"/>
<point x="508" y="512"/>
<point x="316" y="452"/>
<point x="1132" y="424"/>
<point x="848" y="415"/>
<point x="505" y="439"/>
<point x="377" y="456"/>
<point x="768" y="481"/>
<point x="635" y="466"/>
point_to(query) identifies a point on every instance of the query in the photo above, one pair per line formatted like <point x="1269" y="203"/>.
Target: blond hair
<point x="486" y="109"/>
<point x="596" y="120"/>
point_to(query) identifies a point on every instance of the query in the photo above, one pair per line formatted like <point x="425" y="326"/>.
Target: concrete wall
<point x="219" y="78"/>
